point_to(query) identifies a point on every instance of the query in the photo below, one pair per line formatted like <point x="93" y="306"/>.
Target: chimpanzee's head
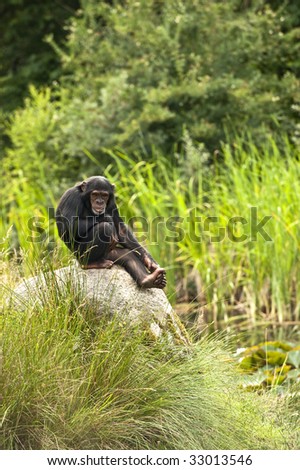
<point x="98" y="194"/>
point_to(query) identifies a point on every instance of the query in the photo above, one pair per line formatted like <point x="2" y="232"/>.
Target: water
<point x="240" y="330"/>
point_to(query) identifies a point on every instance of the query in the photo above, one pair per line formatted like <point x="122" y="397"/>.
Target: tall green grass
<point x="254" y="280"/>
<point x="74" y="381"/>
<point x="267" y="272"/>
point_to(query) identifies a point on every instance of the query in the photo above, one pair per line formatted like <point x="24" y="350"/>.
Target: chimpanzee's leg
<point x="135" y="267"/>
<point x="94" y="253"/>
<point x="100" y="252"/>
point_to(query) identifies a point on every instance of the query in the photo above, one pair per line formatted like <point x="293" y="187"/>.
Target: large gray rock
<point x="110" y="291"/>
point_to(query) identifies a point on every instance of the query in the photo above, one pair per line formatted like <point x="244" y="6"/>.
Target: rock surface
<point x="110" y="291"/>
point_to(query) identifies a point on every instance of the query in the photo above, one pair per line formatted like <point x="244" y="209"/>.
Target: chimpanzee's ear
<point x="113" y="186"/>
<point x="82" y="186"/>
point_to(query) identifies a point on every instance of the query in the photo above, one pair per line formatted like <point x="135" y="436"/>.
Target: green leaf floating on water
<point x="278" y="345"/>
<point x="254" y="361"/>
<point x="247" y="363"/>
<point x="275" y="345"/>
<point x="294" y="358"/>
<point x="293" y="374"/>
<point x="275" y="380"/>
<point x="275" y="358"/>
<point x="269" y="365"/>
<point x="282" y="370"/>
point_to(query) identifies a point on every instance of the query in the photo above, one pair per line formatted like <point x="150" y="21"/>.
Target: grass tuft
<point x="74" y="381"/>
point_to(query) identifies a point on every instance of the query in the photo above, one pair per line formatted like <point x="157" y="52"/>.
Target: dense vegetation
<point x="136" y="74"/>
<point x="25" y="55"/>
<point x="72" y="382"/>
<point x="187" y="216"/>
<point x="192" y="109"/>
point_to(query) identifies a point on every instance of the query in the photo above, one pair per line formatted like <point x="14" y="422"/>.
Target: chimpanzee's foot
<point x="161" y="280"/>
<point x="156" y="279"/>
<point x="102" y="264"/>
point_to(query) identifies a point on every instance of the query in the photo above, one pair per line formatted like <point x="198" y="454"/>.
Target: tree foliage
<point x="25" y="56"/>
<point x="142" y="74"/>
<point x="142" y="71"/>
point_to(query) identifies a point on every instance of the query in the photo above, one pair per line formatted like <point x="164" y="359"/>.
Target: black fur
<point x="91" y="237"/>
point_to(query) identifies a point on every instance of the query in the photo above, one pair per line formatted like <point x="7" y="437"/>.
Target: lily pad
<point x="247" y="363"/>
<point x="293" y="374"/>
<point x="275" y="380"/>
<point x="283" y="369"/>
<point x="255" y="379"/>
<point x="272" y="364"/>
<point x="272" y="345"/>
<point x="275" y="358"/>
<point x="294" y="358"/>
<point x="250" y="351"/>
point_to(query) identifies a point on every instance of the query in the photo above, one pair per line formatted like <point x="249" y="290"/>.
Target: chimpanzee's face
<point x="99" y="201"/>
<point x="97" y="193"/>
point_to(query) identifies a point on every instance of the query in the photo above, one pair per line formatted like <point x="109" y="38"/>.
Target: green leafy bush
<point x="142" y="71"/>
<point x="25" y="56"/>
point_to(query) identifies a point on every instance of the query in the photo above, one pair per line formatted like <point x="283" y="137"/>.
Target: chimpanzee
<point x="89" y="223"/>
